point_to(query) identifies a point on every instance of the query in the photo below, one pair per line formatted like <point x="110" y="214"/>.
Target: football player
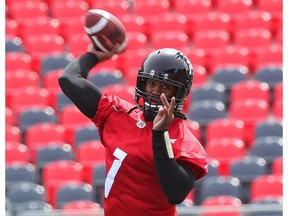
<point x="152" y="159"/>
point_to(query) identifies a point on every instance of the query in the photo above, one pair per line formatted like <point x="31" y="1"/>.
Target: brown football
<point x="105" y="30"/>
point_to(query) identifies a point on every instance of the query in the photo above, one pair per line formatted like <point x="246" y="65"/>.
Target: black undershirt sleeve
<point x="73" y="82"/>
<point x="175" y="178"/>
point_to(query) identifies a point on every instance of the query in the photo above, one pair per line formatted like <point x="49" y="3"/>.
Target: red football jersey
<point x="131" y="186"/>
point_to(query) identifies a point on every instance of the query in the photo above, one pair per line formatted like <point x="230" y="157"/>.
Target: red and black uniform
<point x="140" y="180"/>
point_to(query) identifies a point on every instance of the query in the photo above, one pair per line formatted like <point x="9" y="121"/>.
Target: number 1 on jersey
<point x="118" y="153"/>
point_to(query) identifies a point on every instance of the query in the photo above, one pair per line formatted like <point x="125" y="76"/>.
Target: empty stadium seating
<point x="18" y="172"/>
<point x="206" y="111"/>
<point x="74" y="192"/>
<point x="89" y="154"/>
<point x="266" y="186"/>
<point x="57" y="173"/>
<point x="246" y="170"/>
<point x="220" y="185"/>
<point x="225" y="150"/>
<point x="222" y="201"/>
<point x="83" y="206"/>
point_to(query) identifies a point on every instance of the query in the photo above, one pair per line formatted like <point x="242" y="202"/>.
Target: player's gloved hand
<point x="165" y="115"/>
<point x="102" y="55"/>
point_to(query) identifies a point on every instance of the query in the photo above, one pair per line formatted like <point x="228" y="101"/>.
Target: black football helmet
<point x="167" y="65"/>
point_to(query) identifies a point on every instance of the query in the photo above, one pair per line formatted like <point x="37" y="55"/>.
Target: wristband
<point x="162" y="147"/>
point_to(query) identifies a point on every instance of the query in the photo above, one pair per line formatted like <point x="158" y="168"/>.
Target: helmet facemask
<point x="151" y="103"/>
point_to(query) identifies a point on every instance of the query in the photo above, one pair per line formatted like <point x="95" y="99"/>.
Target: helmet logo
<point x="152" y="73"/>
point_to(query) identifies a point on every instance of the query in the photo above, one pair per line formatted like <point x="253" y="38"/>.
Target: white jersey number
<point x="118" y="153"/>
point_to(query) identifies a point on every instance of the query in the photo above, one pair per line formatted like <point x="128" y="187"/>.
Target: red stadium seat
<point x="136" y="41"/>
<point x="28" y="10"/>
<point x="225" y="150"/>
<point x="12" y="3"/>
<point x="83" y="206"/>
<point x="18" y="61"/>
<point x="72" y="29"/>
<point x="274" y="7"/>
<point x="108" y="64"/>
<point x="78" y="118"/>
<point x="234" y="7"/>
<point x="57" y="173"/>
<point x="45" y="45"/>
<point x="266" y="186"/>
<point x="15" y="152"/>
<point x="277" y="166"/>
<point x="253" y="39"/>
<point x="71" y="124"/>
<point x="167" y="22"/>
<point x="130" y="75"/>
<point x="222" y="201"/>
<point x="12" y="134"/>
<point x="117" y="8"/>
<point x="66" y="11"/>
<point x="53" y="3"/>
<point x="255" y="19"/>
<point x="46" y="132"/>
<point x="229" y="56"/>
<point x="11" y="28"/>
<point x="193" y="7"/>
<point x="225" y="128"/>
<point x="19" y="80"/>
<point x="211" y="21"/>
<point x="88" y="154"/>
<point x="174" y="39"/>
<point x="211" y="41"/>
<point x="132" y="59"/>
<point x="151" y="8"/>
<point x="77" y="44"/>
<point x="38" y="27"/>
<point x="270" y="55"/>
<point x="134" y="23"/>
<point x="250" y="89"/>
<point x="200" y="75"/>
<point x="250" y="111"/>
<point x="195" y="55"/>
<point x="50" y="82"/>
<point x="28" y="97"/>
